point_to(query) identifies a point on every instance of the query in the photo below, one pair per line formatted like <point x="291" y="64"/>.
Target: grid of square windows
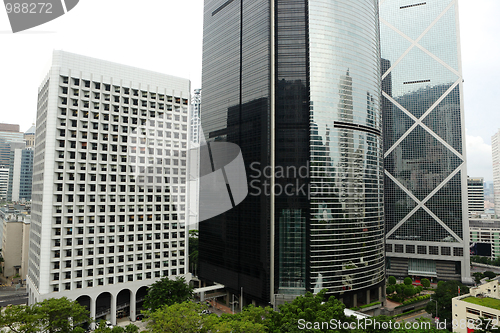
<point x="108" y="218"/>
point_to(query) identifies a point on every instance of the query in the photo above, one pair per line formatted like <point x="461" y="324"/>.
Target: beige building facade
<point x="482" y="304"/>
<point x="15" y="244"/>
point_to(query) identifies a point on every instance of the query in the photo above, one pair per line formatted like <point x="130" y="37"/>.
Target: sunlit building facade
<point x="424" y="149"/>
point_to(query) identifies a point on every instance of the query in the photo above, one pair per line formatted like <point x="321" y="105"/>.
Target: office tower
<point x="29" y="137"/>
<point x="194" y="181"/>
<point x="109" y="184"/>
<point x="195" y="116"/>
<point x="475" y="189"/>
<point x="20" y="174"/>
<point x="495" y="147"/>
<point x="8" y="134"/>
<point x="4" y="181"/>
<point x="295" y="85"/>
<point x="424" y="150"/>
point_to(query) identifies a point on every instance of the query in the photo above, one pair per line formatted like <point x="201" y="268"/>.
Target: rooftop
<point x="484" y="301"/>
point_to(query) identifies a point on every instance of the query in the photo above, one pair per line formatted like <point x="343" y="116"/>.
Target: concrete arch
<point x="105" y="305"/>
<point x="88" y="302"/>
<point x="124" y="300"/>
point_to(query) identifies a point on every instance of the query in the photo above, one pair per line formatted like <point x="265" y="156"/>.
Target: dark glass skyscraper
<point x="424" y="155"/>
<point x="296" y="85"/>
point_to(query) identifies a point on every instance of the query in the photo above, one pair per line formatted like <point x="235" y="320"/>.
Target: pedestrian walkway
<point x="219" y="308"/>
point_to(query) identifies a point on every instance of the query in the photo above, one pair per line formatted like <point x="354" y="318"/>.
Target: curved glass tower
<point x="296" y="84"/>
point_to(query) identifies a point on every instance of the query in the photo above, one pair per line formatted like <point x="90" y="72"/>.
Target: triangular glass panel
<point x="441" y="39"/>
<point x="445" y="120"/>
<point x="416" y="75"/>
<point x="420" y="162"/>
<point x="393" y="45"/>
<point x="396" y="123"/>
<point x="397" y="204"/>
<point x="421" y="227"/>
<point x="411" y="17"/>
<point x="446" y="204"/>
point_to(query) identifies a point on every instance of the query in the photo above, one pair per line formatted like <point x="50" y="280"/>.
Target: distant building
<point x="8" y="134"/>
<point x="20" y="174"/>
<point x="486" y="233"/>
<point x="4" y="181"/>
<point x="475" y="189"/>
<point x="495" y="147"/>
<point x="481" y="304"/>
<point x="29" y="137"/>
<point x="195" y="116"/>
<point x="15" y="241"/>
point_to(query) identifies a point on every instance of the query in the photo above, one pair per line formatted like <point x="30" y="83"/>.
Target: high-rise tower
<point x="109" y="184"/>
<point x="295" y="84"/>
<point x="424" y="150"/>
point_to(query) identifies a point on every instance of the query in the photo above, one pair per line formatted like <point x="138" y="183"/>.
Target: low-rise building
<point x="485" y="231"/>
<point x="481" y="304"/>
<point x="15" y="224"/>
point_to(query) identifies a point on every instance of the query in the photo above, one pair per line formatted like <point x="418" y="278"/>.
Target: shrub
<point x="414" y="300"/>
<point x="389" y="290"/>
<point x="408" y="281"/>
<point x="392" y="280"/>
<point x="426" y="283"/>
<point x="489" y="274"/>
<point x="398" y="289"/>
<point x="409" y="290"/>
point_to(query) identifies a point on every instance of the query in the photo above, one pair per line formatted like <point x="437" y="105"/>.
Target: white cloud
<point x="479" y="160"/>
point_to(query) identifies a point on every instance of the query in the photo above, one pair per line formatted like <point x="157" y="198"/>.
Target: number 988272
<point x="28" y="8"/>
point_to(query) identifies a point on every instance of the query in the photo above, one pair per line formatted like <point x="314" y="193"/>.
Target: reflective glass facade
<point x="296" y="84"/>
<point x="425" y="175"/>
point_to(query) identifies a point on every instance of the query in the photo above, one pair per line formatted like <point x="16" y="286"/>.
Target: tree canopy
<point x="50" y="315"/>
<point x="167" y="292"/>
<point x="445" y="291"/>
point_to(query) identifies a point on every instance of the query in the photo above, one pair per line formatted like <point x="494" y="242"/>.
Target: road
<point x="9" y="295"/>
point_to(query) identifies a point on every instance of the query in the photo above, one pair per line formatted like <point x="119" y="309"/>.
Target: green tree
<point x="180" y="317"/>
<point x="19" y="319"/>
<point x="408" y="281"/>
<point x="389" y="290"/>
<point x="392" y="280"/>
<point x="131" y="328"/>
<point x="50" y="315"/>
<point x="167" y="292"/>
<point x="478" y="276"/>
<point x="445" y="291"/>
<point x="426" y="283"/>
<point x="308" y="308"/>
<point x="408" y="290"/>
<point x="489" y="274"/>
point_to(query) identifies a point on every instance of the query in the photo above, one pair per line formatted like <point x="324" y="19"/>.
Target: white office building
<point x="475" y="191"/>
<point x="109" y="184"/>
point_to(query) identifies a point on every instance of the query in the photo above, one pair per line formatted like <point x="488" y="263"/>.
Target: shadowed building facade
<point x="296" y="85"/>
